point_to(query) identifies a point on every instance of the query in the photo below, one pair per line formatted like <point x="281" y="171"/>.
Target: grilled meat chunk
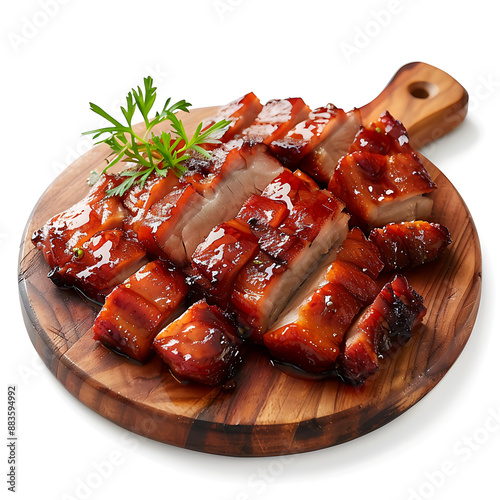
<point x="101" y="263"/>
<point x="382" y="179"/>
<point x="73" y="227"/>
<point x="410" y="244"/>
<point x="202" y="345"/>
<point x="137" y="309"/>
<point x="384" y="325"/>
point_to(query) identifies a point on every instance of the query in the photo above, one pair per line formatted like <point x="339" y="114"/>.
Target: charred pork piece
<point x="410" y="244"/>
<point x="202" y="345"/>
<point x="211" y="192"/>
<point x="309" y="333"/>
<point x="276" y="118"/>
<point x="382" y="179"/>
<point x="241" y="113"/>
<point x="316" y="144"/>
<point x="70" y="229"/>
<point x="290" y="249"/>
<point x="386" y="324"/>
<point x="136" y="310"/>
<point x="100" y="264"/>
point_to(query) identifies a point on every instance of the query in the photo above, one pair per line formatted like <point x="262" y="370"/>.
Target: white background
<point x="58" y="55"/>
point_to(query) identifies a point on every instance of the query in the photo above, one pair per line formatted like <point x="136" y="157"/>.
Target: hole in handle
<point x="422" y="90"/>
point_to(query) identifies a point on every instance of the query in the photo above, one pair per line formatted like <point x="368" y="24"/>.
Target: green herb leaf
<point x="150" y="152"/>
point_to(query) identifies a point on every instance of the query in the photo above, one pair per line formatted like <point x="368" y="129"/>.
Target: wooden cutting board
<point x="269" y="412"/>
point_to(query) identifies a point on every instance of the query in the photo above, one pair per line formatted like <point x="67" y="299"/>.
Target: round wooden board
<point x="268" y="412"/>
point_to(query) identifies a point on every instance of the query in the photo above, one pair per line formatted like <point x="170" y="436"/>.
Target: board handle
<point x="428" y="101"/>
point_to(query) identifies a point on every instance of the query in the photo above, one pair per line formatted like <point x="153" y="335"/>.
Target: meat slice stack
<point x="86" y="245"/>
<point x="309" y="333"/>
<point x="211" y="191"/>
<point x="253" y="264"/>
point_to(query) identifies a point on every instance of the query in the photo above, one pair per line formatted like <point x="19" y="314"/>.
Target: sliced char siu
<point x="218" y="259"/>
<point x="252" y="234"/>
<point x="210" y="192"/>
<point x="385" y="136"/>
<point x="71" y="228"/>
<point x="309" y="332"/>
<point x="385" y="325"/>
<point x="384" y="180"/>
<point x="409" y="244"/>
<point x="316" y="144"/>
<point x="289" y="252"/>
<point x="139" y="200"/>
<point x="241" y="113"/>
<point x="281" y="237"/>
<point x="136" y="310"/>
<point x="276" y="118"/>
<point x="202" y="345"/>
<point x="101" y="263"/>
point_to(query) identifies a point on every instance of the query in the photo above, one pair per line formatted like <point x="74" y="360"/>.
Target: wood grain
<point x="268" y="412"/>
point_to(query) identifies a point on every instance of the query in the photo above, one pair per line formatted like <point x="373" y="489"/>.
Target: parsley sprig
<point x="147" y="151"/>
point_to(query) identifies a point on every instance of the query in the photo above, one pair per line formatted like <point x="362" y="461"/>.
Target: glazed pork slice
<point x="309" y="332"/>
<point x="202" y="345"/>
<point x="316" y="144"/>
<point x="70" y="229"/>
<point x="136" y="310"/>
<point x="241" y="113"/>
<point x="382" y="179"/>
<point x="218" y="259"/>
<point x="409" y="244"/>
<point x="385" y="325"/>
<point x="379" y="189"/>
<point x="276" y="118"/>
<point x="176" y="225"/>
<point x="101" y="263"/>
<point x="359" y="250"/>
<point x="139" y="200"/>
<point x="289" y="252"/>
